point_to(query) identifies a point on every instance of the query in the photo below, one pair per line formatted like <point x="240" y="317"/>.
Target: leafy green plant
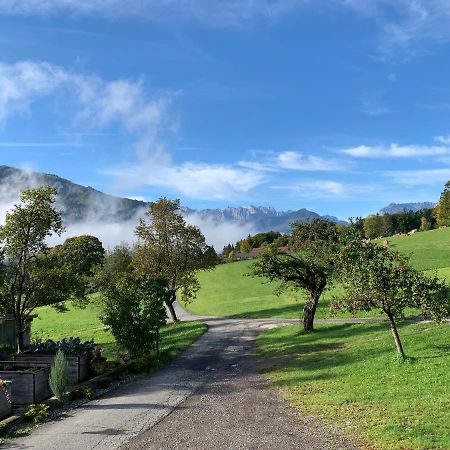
<point x="59" y="376"/>
<point x="134" y="310"/>
<point x="70" y="346"/>
<point x="83" y="392"/>
<point x="37" y="412"/>
<point x="140" y="365"/>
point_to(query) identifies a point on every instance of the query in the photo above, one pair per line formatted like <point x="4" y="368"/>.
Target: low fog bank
<point x="101" y="218"/>
<point x="112" y="233"/>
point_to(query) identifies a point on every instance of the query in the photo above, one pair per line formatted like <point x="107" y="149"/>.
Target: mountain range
<point x="80" y="203"/>
<point x="393" y="208"/>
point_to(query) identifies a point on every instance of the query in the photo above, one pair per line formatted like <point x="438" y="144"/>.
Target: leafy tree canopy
<point x="376" y="277"/>
<point x="81" y="253"/>
<point x="31" y="276"/>
<point x="310" y="268"/>
<point x="171" y="249"/>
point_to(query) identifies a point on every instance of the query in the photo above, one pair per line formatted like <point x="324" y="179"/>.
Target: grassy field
<point x="227" y="291"/>
<point x="348" y="376"/>
<point x="86" y="324"/>
<point x="428" y="249"/>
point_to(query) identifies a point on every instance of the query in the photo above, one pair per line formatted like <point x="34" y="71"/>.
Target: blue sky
<point x="339" y="106"/>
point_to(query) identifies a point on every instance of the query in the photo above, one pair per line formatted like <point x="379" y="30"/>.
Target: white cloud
<point x="315" y="189"/>
<point x="194" y="180"/>
<point x="292" y="160"/>
<point x="218" y="12"/>
<point x="99" y="102"/>
<point x="411" y="178"/>
<point x="24" y="82"/>
<point x="405" y="24"/>
<point x="395" y="151"/>
<point x="443" y="139"/>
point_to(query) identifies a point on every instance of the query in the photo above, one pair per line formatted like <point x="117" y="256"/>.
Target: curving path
<point x="211" y="396"/>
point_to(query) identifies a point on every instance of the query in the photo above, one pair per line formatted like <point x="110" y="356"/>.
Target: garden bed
<point x="29" y="381"/>
<point x="78" y="365"/>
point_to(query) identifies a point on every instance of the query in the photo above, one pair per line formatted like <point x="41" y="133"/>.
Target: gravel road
<point x="210" y="397"/>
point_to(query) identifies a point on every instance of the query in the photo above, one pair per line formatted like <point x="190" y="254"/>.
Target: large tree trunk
<point x="398" y="343"/>
<point x="309" y="311"/>
<point x="169" y="304"/>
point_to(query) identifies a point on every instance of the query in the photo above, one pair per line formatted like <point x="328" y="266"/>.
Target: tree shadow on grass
<point x="320" y="351"/>
<point x="288" y="311"/>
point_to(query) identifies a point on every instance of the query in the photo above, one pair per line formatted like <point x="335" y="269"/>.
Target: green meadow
<point x="427" y="249"/>
<point x="347" y="375"/>
<point x="85" y="323"/>
<point x="229" y="291"/>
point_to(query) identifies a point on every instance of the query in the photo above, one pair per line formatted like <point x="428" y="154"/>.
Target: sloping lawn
<point x="348" y="376"/>
<point x="86" y="324"/>
<point x="229" y="291"/>
<point x="427" y="249"/>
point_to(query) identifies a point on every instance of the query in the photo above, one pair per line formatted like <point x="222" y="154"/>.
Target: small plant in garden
<point x="37" y="413"/>
<point x="83" y="392"/>
<point x="70" y="346"/>
<point x="59" y="376"/>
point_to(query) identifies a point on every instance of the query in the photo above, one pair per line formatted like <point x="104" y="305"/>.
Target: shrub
<point x="140" y="365"/>
<point x="58" y="376"/>
<point x="83" y="392"/>
<point x="37" y="412"/>
<point x="134" y="310"/>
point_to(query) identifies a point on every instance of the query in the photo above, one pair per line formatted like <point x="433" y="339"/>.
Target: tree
<point x="81" y="253"/>
<point x="372" y="227"/>
<point x="310" y="269"/>
<point x="443" y="208"/>
<point x="115" y="263"/>
<point x="245" y="246"/>
<point x="134" y="310"/>
<point x="30" y="275"/>
<point x="425" y="224"/>
<point x="227" y="249"/>
<point x="386" y="225"/>
<point x="171" y="249"/>
<point x="377" y="277"/>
